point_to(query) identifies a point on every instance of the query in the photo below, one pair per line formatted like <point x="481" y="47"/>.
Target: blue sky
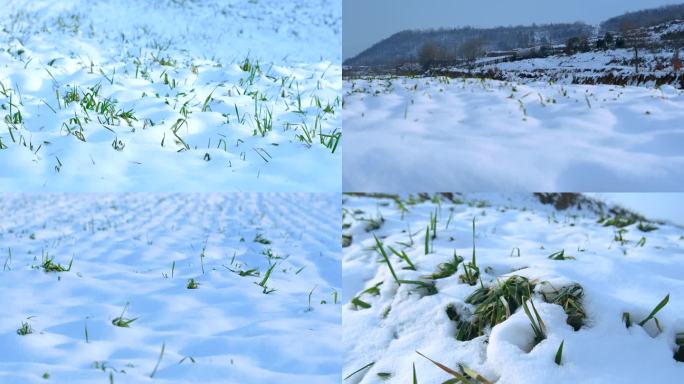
<point x="665" y="206"/>
<point x="365" y="22"/>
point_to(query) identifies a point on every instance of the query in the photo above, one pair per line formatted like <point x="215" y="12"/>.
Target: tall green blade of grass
<point x="359" y="370"/>
<point x="360" y="303"/>
<point x="309" y="309"/>
<point x="446" y="369"/>
<point x="655" y="310"/>
<point x="427" y="239"/>
<point x="415" y="379"/>
<point x="154" y="371"/>
<point x="86" y="332"/>
<point x="403" y="256"/>
<point x="267" y="275"/>
<point x="559" y="353"/>
<point x="474" y="261"/>
<point x="535" y="322"/>
<point x="465" y="377"/>
<point x="384" y="255"/>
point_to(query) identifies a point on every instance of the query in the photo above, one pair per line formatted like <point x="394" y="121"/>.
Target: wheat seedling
<point x="122" y="321"/>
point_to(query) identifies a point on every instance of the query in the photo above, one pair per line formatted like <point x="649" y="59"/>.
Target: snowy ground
<point x="413" y="134"/>
<point x="619" y="271"/>
<point x="179" y="95"/>
<point x="142" y="249"/>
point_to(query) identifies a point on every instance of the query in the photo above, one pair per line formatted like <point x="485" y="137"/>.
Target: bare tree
<point x="471" y="50"/>
<point x="634" y="37"/>
<point x="676" y="62"/>
<point x="429" y="54"/>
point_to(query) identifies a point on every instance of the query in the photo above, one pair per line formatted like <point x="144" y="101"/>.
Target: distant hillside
<point x="644" y="18"/>
<point x="404" y="46"/>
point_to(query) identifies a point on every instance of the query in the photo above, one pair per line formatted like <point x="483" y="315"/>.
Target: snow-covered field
<point x="131" y="256"/>
<point x="158" y="95"/>
<point x="630" y="269"/>
<point x="415" y="134"/>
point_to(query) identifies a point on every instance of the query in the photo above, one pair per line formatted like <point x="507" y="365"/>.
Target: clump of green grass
<point x="647" y="227"/>
<point x="122" y="321"/>
<point x="25" y="329"/>
<point x="618" y="236"/>
<point x="374" y="224"/>
<point x="346" y="240"/>
<point x="49" y="265"/>
<point x="259" y="238"/>
<point x="560" y="255"/>
<point x="679" y="340"/>
<point x="446" y="269"/>
<point x="494" y="305"/>
<point x="570" y="298"/>
<point x="618" y="221"/>
<point x="192" y="284"/>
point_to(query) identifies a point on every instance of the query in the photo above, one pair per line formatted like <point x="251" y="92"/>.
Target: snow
<point x="142" y="249"/>
<point x="616" y="277"/>
<point x="581" y="67"/>
<point x="659" y="206"/>
<point x="416" y="134"/>
<point x="218" y="70"/>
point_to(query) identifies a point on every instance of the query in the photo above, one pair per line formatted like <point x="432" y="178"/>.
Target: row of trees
<point x="431" y="53"/>
<point x="582" y="44"/>
<point x="644" y="18"/>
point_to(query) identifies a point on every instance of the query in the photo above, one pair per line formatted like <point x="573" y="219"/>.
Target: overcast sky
<point x="663" y="206"/>
<point x="365" y="22"/>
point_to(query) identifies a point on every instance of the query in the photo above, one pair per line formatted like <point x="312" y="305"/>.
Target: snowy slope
<point x="170" y="95"/>
<point x="514" y="235"/>
<point x="416" y="134"/>
<point x="603" y="67"/>
<point x="142" y="249"/>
